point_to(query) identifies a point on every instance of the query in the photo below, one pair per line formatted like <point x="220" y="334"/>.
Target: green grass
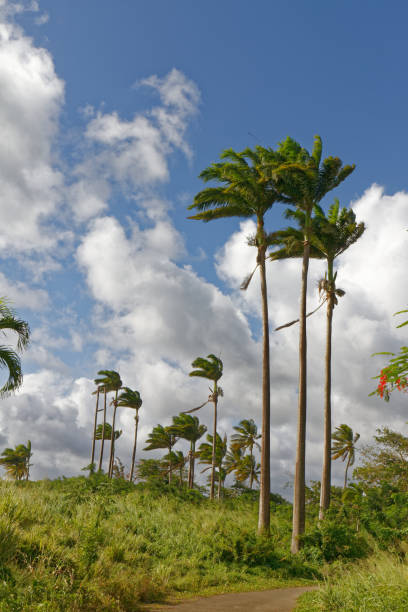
<point x="93" y="544"/>
<point x="379" y="584"/>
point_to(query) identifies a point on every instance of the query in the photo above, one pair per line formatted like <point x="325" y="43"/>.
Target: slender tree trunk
<point x="132" y="469"/>
<point x="170" y="465"/>
<point x="251" y="477"/>
<point x="265" y="479"/>
<point x="103" y="429"/>
<point x="95" y="423"/>
<point x="299" y="484"/>
<point x="190" y="466"/>
<point x="215" y="400"/>
<point x="326" y="473"/>
<point x="112" y="445"/>
<point x="345" y="475"/>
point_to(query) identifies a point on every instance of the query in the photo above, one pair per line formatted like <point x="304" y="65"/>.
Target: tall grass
<point x="379" y="584"/>
<point x="93" y="544"/>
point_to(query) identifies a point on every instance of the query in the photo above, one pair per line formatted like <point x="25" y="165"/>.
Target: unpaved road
<point x="275" y="600"/>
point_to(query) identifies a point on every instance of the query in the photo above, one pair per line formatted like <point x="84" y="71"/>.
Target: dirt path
<point x="276" y="600"/>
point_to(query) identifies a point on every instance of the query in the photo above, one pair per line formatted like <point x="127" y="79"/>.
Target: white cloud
<point x="31" y="96"/>
<point x="371" y="272"/>
<point x="21" y="295"/>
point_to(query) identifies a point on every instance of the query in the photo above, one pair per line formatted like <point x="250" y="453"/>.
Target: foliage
<point x="16" y="461"/>
<point x="100" y="544"/>
<point x="377" y="585"/>
<point x="395" y="374"/>
<point x="9" y="358"/>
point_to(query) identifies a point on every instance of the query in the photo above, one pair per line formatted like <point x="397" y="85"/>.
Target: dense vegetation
<point x="93" y="543"/>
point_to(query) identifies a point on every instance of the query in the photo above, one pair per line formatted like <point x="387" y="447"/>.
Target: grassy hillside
<point x="93" y="544"/>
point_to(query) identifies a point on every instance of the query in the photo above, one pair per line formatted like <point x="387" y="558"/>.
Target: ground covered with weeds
<point x="99" y="544"/>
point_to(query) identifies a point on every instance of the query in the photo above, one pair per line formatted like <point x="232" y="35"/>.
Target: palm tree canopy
<point x="107" y="432"/>
<point x="187" y="427"/>
<point x="109" y="381"/>
<point x="16" y="461"/>
<point x="9" y="359"/>
<point x="129" y="399"/>
<point x="303" y="177"/>
<point x="344" y="441"/>
<point x="244" y="192"/>
<point x="233" y="458"/>
<point x="160" y="437"/>
<point x="246" y="436"/>
<point x="210" y="368"/>
<point x="205" y="450"/>
<point x="246" y="468"/>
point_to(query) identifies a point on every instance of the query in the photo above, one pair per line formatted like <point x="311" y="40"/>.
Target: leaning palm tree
<point x="175" y="461"/>
<point x="188" y="428"/>
<point x="206" y="456"/>
<point x="304" y="179"/>
<point x="162" y="437"/>
<point x="344" y="446"/>
<point x="16" y="461"/>
<point x="9" y="358"/>
<point x="131" y="399"/>
<point x="246" y="438"/>
<point x="243" y="191"/>
<point x="110" y="381"/>
<point x="248" y="469"/>
<point x="331" y="235"/>
<point x="211" y="369"/>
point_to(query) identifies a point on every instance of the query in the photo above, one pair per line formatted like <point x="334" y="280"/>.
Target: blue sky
<point x="110" y="114"/>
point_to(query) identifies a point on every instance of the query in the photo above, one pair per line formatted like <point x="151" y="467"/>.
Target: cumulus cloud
<point x="31" y="96"/>
<point x="370" y="272"/>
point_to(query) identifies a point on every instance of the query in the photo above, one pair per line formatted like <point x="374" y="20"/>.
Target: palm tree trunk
<point x="192" y="466"/>
<point x="212" y="485"/>
<point x="95" y="423"/>
<point x="347" y="467"/>
<point x="265" y="479"/>
<point x="190" y="460"/>
<point x="170" y="464"/>
<point x="251" y="477"/>
<point x="326" y="473"/>
<point x="299" y="484"/>
<point x="112" y="444"/>
<point x="103" y="429"/>
<point x="132" y="469"/>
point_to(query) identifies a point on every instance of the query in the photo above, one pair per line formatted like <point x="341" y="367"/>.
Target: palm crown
<point x="8" y="357"/>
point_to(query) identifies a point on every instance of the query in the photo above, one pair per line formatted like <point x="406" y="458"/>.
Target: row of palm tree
<point x="109" y="381"/>
<point x="247" y="184"/>
<point x="214" y="453"/>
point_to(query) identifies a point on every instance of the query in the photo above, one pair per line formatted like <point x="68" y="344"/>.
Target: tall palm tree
<point x="331" y="235"/>
<point x="9" y="358"/>
<point x="243" y="191"/>
<point x="109" y="381"/>
<point x="131" y="399"/>
<point x="206" y="456"/>
<point x="344" y="446"/>
<point x="246" y="438"/>
<point x="211" y="369"/>
<point x="188" y="428"/>
<point x="162" y="437"/>
<point x="97" y="392"/>
<point x="304" y="179"/>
